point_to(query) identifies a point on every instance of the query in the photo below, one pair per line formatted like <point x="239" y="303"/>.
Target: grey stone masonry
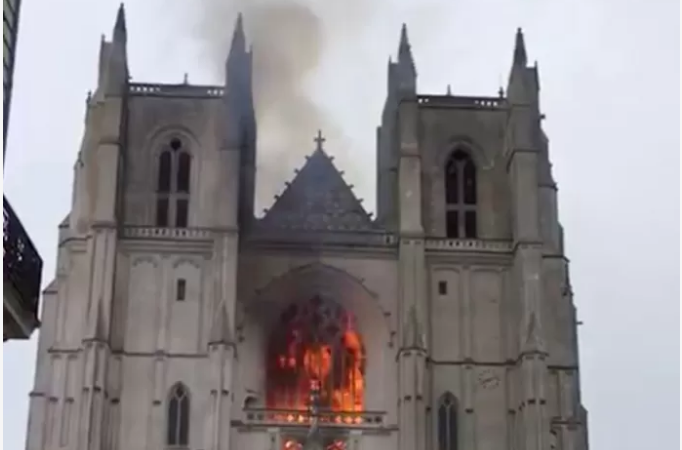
<point x="177" y="320"/>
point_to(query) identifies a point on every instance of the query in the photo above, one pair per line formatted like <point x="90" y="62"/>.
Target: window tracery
<point x="316" y="345"/>
<point x="460" y="196"/>
<point x="173" y="185"/>
<point x="178" y="417"/>
<point x="447" y="422"/>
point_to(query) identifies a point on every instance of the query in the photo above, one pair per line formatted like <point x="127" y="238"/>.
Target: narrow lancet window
<point x="183" y="172"/>
<point x="164" y="183"/>
<point x="178" y="417"/>
<point x="173" y="186"/>
<point x="460" y="196"/>
<point x="447" y="422"/>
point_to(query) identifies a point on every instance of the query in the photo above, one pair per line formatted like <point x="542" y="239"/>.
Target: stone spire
<point x="403" y="74"/>
<point x="520" y="57"/>
<point x="120" y="25"/>
<point x="404" y="49"/>
<point x="238" y="37"/>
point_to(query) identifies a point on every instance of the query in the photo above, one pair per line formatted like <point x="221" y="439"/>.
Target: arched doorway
<point x="316" y="343"/>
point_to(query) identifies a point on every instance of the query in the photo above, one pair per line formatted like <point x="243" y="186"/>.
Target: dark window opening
<point x="470" y="224"/>
<point x="469" y="182"/>
<point x="442" y="288"/>
<point x="175" y="144"/>
<point x="183" y="172"/>
<point x="162" y="212"/>
<point x="447" y="422"/>
<point x="180" y="289"/>
<point x="451" y="182"/>
<point x="181" y="213"/>
<point x="173" y="185"/>
<point x="452" y="224"/>
<point x="178" y="417"/>
<point x="164" y="181"/>
<point x="460" y="196"/>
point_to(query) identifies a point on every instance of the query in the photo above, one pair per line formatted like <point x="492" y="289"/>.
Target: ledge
<point x="469" y="245"/>
<point x="327" y="419"/>
<point x="175" y="90"/>
<point x="191" y="234"/>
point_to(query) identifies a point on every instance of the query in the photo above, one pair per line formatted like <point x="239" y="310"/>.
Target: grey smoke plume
<point x="289" y="38"/>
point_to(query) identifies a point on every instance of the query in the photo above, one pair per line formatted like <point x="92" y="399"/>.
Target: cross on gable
<point x="319" y="140"/>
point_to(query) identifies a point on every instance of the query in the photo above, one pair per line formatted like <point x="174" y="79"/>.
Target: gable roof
<point x="318" y="199"/>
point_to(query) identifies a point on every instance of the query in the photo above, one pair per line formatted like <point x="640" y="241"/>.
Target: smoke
<point x="289" y="40"/>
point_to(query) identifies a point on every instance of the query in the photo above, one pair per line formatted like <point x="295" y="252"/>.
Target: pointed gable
<point x="318" y="199"/>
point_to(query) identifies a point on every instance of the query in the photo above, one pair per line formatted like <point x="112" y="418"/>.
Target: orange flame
<point x="303" y="356"/>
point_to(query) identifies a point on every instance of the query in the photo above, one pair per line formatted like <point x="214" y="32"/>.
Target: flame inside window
<point x="316" y="343"/>
<point x="333" y="444"/>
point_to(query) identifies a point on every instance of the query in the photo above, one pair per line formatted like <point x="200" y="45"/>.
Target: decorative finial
<point x="319" y="140"/>
<point x="449" y="91"/>
<point x="500" y="92"/>
<point x="185" y="79"/>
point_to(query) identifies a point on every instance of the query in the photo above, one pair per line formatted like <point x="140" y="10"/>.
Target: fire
<point x="293" y="444"/>
<point x="316" y="343"/>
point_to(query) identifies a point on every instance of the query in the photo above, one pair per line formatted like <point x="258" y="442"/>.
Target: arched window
<point x="460" y="196"/>
<point x="178" y="417"/>
<point x="173" y="185"/>
<point x="447" y="422"/>
<point x="316" y="345"/>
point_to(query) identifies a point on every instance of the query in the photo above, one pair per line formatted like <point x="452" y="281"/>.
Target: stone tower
<point x="178" y="320"/>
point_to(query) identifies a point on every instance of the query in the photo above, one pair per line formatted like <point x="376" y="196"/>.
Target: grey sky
<point x="609" y="72"/>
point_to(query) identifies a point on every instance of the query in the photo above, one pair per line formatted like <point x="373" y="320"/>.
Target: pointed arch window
<point x="460" y="196"/>
<point x="178" y="417"/>
<point x="447" y="422"/>
<point x="316" y="344"/>
<point x="173" y="186"/>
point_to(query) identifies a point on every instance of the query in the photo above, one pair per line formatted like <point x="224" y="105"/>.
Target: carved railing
<point x="294" y="236"/>
<point x="175" y="90"/>
<point x="22" y="265"/>
<point x="462" y="101"/>
<point x="473" y="245"/>
<point x="198" y="234"/>
<point x="293" y="417"/>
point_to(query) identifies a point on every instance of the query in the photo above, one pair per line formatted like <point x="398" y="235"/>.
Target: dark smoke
<point x="289" y="39"/>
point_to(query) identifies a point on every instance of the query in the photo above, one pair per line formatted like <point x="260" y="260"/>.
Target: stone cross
<point x="319" y="140"/>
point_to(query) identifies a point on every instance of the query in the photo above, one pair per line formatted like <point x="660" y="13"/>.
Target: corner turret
<point x="404" y="70"/>
<point x="237" y="130"/>
<point x="113" y="61"/>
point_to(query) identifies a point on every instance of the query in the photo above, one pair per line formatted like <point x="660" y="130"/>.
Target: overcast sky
<point x="609" y="72"/>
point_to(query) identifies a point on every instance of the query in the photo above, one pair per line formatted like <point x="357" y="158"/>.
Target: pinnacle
<point x="404" y="47"/>
<point x="405" y="58"/>
<point x="120" y="25"/>
<point x="520" y="57"/>
<point x="238" y="37"/>
<point x="220" y="329"/>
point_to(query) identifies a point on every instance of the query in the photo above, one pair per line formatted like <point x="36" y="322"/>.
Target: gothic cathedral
<point x="179" y="320"/>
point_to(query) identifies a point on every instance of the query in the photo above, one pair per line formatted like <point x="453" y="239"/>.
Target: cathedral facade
<point x="178" y="320"/>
